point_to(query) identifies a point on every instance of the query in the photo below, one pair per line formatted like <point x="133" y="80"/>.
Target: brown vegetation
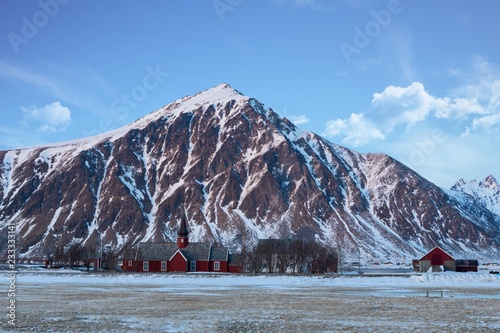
<point x="289" y="255"/>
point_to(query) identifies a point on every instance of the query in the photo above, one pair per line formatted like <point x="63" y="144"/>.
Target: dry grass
<point x="63" y="308"/>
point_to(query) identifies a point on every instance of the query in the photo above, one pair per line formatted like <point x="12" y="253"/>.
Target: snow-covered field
<point x="70" y="301"/>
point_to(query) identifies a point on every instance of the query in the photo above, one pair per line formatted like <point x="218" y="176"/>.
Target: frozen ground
<point x="62" y="301"/>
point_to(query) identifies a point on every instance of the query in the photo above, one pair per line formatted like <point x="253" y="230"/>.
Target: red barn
<point x="180" y="257"/>
<point x="438" y="260"/>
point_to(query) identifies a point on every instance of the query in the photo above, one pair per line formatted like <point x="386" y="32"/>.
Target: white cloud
<point x="438" y="136"/>
<point x="52" y="118"/>
<point x="405" y="107"/>
<point x="367" y="63"/>
<point x="398" y="105"/>
<point x="305" y="2"/>
<point x="457" y="108"/>
<point x="299" y="120"/>
<point x="490" y="123"/>
<point x="315" y="4"/>
<point x="357" y="130"/>
<point x="413" y="104"/>
<point x="482" y="82"/>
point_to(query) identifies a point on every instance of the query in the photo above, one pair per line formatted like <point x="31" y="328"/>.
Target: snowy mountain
<point x="487" y="192"/>
<point x="243" y="173"/>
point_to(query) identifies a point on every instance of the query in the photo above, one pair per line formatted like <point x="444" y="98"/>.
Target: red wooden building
<point x="438" y="260"/>
<point x="180" y="257"/>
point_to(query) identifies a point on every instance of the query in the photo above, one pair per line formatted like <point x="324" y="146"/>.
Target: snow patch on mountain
<point x="487" y="191"/>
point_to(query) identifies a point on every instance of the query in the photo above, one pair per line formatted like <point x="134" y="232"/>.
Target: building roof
<point x="129" y="252"/>
<point x="166" y="250"/>
<point x="155" y="250"/>
<point x="197" y="251"/>
<point x="467" y="263"/>
<point x="437" y="250"/>
<point x="219" y="253"/>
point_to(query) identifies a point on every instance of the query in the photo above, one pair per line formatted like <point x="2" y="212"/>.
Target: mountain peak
<point x="458" y="184"/>
<point x="225" y="87"/>
<point x="490" y="182"/>
<point x="486" y="191"/>
<point x="220" y="93"/>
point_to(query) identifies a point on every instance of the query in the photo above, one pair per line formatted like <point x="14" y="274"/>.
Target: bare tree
<point x="89" y="254"/>
<point x="324" y="259"/>
<point x="111" y="260"/>
<point x="301" y="252"/>
<point x="266" y="253"/>
<point x="73" y="254"/>
<point x="296" y="254"/>
<point x="59" y="256"/>
<point x="251" y="261"/>
<point x="282" y="250"/>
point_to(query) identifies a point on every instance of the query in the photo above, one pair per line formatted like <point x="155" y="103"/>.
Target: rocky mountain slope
<point x="242" y="173"/>
<point x="486" y="192"/>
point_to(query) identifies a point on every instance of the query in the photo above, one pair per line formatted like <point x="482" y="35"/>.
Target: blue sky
<point x="418" y="80"/>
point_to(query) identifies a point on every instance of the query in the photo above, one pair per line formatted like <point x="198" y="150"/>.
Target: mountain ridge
<point x="243" y="173"/>
<point x="486" y="191"/>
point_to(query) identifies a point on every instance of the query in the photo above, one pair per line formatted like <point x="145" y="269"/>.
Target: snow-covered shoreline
<point x="445" y="279"/>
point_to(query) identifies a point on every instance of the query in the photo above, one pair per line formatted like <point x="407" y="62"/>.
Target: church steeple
<point x="182" y="234"/>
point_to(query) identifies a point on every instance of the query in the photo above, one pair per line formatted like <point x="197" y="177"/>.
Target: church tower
<point x="182" y="234"/>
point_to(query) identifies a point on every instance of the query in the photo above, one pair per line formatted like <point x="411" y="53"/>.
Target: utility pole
<point x="359" y="260"/>
<point x="100" y="256"/>
<point x="339" y="259"/>
<point x="98" y="251"/>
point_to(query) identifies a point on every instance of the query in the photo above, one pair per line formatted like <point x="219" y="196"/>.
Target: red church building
<point x="181" y="256"/>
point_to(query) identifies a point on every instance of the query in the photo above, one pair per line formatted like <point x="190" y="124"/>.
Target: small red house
<point x="438" y="260"/>
<point x="179" y="257"/>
